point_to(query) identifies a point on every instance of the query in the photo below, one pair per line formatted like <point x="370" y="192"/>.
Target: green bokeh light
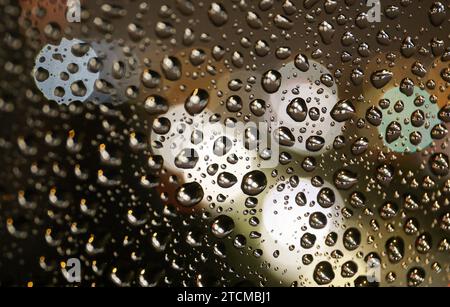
<point x="403" y="143"/>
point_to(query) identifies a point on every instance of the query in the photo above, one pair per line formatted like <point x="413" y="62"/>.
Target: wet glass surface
<point x="224" y="143"/>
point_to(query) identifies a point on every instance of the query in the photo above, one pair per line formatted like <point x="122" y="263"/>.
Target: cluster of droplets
<point x="167" y="188"/>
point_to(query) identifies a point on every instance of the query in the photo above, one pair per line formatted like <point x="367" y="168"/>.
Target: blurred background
<point x="131" y="141"/>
